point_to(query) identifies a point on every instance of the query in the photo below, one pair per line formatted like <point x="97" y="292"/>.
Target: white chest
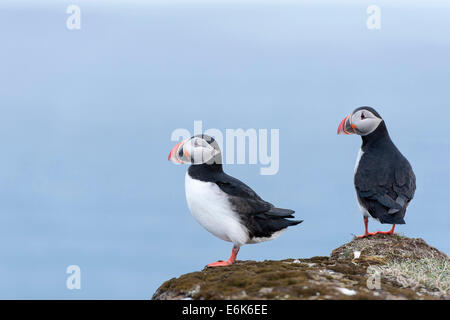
<point x="358" y="159"/>
<point x="361" y="208"/>
<point x="211" y="208"/>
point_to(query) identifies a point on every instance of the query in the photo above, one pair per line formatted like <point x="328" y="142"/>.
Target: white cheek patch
<point x="199" y="153"/>
<point x="367" y="126"/>
<point x="202" y="154"/>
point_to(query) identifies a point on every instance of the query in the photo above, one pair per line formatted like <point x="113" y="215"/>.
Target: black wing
<point x="385" y="184"/>
<point x="261" y="217"/>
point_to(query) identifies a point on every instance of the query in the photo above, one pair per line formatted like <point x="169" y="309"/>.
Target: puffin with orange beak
<point x="223" y="205"/>
<point x="384" y="180"/>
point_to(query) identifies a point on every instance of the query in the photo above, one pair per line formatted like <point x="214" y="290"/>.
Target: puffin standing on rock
<point x="384" y="180"/>
<point x="223" y="205"/>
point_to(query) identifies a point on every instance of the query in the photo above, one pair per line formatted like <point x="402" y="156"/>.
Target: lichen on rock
<point x="388" y="267"/>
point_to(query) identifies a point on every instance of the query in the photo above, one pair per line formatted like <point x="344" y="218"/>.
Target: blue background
<point x="86" y="118"/>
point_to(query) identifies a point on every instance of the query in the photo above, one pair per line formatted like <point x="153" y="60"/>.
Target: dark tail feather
<point x="392" y="218"/>
<point x="279" y="217"/>
<point x="294" y="222"/>
<point x="268" y="223"/>
<point x="279" y="224"/>
<point x="282" y="213"/>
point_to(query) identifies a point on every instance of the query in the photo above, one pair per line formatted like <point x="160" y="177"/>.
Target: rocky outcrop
<point x="379" y="267"/>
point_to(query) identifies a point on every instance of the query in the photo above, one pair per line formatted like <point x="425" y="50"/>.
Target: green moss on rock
<point x="340" y="276"/>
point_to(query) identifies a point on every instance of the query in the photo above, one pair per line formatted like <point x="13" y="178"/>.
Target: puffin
<point x="384" y="179"/>
<point x="223" y="205"/>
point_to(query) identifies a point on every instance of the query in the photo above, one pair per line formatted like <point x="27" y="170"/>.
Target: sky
<point x="86" y="118"/>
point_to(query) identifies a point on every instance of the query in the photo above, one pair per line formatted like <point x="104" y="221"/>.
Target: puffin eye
<point x="363" y="116"/>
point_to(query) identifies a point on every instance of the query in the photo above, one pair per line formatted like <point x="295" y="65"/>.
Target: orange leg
<point x="387" y="232"/>
<point x="366" y="232"/>
<point x="230" y="261"/>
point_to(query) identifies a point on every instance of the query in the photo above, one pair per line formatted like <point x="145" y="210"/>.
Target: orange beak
<point x="346" y="126"/>
<point x="173" y="155"/>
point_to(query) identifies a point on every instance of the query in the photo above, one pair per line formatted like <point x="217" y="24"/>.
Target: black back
<point x="385" y="182"/>
<point x="260" y="217"/>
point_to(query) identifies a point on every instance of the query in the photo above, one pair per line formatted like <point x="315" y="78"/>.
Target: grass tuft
<point x="429" y="273"/>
